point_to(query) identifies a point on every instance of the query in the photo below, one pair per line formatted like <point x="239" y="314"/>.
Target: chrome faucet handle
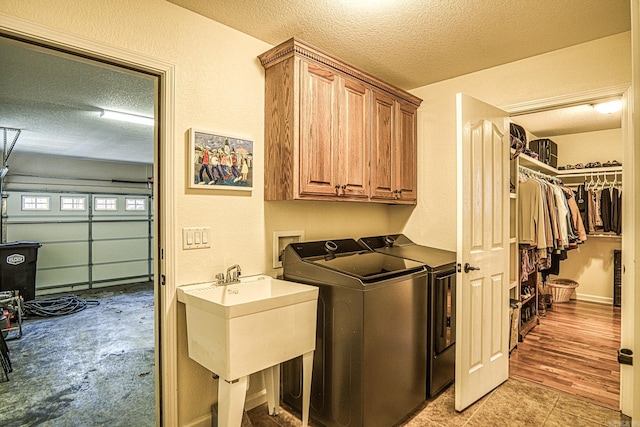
<point x="220" y="278"/>
<point x="233" y="273"/>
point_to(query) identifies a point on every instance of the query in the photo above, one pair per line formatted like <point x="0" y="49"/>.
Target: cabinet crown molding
<point x="297" y="47"/>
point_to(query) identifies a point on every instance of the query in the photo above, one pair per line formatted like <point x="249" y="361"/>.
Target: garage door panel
<point x="120" y="250"/>
<point x="63" y="254"/>
<point x="119" y="230"/>
<point x="47" y="232"/>
<point x="125" y="269"/>
<point x="59" y="276"/>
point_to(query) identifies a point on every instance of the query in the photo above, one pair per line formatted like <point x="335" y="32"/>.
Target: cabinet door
<point x="382" y="142"/>
<point x="354" y="150"/>
<point x="318" y="130"/>
<point x="406" y="156"/>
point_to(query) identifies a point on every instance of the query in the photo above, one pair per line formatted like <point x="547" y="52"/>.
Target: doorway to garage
<point x="81" y="186"/>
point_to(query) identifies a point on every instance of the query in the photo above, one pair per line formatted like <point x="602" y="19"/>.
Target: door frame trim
<point x="554" y="102"/>
<point x="578" y="98"/>
<point x="165" y="307"/>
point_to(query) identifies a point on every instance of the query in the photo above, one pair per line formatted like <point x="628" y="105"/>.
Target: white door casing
<point x="628" y="255"/>
<point x="482" y="335"/>
<point x="166" y="388"/>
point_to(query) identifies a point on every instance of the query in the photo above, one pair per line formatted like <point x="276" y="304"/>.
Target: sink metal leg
<point x="231" y="397"/>
<point x="307" y="365"/>
<point x="272" y="384"/>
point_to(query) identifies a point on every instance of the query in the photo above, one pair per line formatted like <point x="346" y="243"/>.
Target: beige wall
<point x="591" y="265"/>
<point x="601" y="146"/>
<point x="598" y="64"/>
<point x="220" y="87"/>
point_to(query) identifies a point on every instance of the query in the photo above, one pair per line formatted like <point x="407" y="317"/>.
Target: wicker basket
<point x="561" y="289"/>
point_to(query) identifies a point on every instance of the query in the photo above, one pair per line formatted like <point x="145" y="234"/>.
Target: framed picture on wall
<point x="220" y="161"/>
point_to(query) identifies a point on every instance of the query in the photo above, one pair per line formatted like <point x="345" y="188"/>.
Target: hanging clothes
<point x="531" y="216"/>
<point x="595" y="219"/>
<point x="549" y="218"/>
<point x="615" y="210"/>
<point x="605" y="209"/>
<point x="576" y="218"/>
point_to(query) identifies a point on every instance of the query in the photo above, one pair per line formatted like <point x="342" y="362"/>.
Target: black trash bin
<point x="18" y="268"/>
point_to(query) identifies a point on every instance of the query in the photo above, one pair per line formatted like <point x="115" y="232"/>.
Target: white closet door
<point x="482" y="301"/>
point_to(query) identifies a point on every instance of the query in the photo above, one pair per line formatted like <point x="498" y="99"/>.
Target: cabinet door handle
<point x="337" y="190"/>
<point x="468" y="267"/>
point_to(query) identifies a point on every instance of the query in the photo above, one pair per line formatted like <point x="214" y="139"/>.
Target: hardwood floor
<point x="574" y="349"/>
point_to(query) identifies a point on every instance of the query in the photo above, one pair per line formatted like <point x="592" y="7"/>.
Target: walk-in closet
<point x="566" y="250"/>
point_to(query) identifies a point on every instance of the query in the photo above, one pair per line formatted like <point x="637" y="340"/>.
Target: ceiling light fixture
<point x="126" y="117"/>
<point x="608" y="107"/>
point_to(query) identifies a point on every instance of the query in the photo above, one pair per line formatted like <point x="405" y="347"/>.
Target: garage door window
<point x="106" y="204"/>
<point x="35" y="203"/>
<point x="135" y="204"/>
<point x="72" y="203"/>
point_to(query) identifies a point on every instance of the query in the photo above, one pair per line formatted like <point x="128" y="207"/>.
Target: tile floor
<point x="514" y="403"/>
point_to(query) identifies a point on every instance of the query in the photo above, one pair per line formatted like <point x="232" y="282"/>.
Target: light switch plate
<point x="280" y="241"/>
<point x="195" y="237"/>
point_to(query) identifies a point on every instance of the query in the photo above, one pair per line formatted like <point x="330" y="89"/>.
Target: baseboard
<point x="204" y="421"/>
<point x="594" y="298"/>
<point x="256" y="399"/>
<point x="251" y="401"/>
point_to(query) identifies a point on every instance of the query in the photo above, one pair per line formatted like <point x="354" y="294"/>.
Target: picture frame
<point x="220" y="161"/>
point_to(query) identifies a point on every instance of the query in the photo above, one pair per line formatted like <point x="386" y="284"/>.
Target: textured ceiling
<point x="411" y="43"/>
<point x="56" y="101"/>
<point x="56" y="98"/>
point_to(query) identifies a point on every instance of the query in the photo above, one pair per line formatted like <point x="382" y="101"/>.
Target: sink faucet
<point x="233" y="274"/>
<point x="220" y="279"/>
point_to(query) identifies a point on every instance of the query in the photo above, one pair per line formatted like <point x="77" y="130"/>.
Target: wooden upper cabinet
<point x="394" y="160"/>
<point x="319" y="117"/>
<point x="406" y="156"/>
<point x="334" y="132"/>
<point x="382" y="148"/>
<point x="355" y="129"/>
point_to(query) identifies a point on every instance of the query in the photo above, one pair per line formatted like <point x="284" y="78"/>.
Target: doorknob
<point x="468" y="267"/>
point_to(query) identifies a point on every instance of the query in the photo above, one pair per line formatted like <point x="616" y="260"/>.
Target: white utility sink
<point x="237" y="329"/>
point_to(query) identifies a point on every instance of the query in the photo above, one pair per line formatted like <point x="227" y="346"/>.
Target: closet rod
<point x="590" y="173"/>
<point x="525" y="170"/>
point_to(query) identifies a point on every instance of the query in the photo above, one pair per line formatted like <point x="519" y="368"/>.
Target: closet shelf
<point x="526" y="300"/>
<point x="536" y="165"/>
<point x="613" y="236"/>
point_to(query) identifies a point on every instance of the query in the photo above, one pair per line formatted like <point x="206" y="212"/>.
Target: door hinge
<point x="163" y="280"/>
<point x="448" y="322"/>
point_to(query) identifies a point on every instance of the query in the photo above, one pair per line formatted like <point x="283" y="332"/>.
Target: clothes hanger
<point x="590" y="184"/>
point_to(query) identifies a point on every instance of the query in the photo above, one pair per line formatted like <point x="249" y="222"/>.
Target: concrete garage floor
<point x="91" y="368"/>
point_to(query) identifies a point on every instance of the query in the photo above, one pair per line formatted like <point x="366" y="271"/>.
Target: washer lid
<point x="401" y="246"/>
<point x="369" y="266"/>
